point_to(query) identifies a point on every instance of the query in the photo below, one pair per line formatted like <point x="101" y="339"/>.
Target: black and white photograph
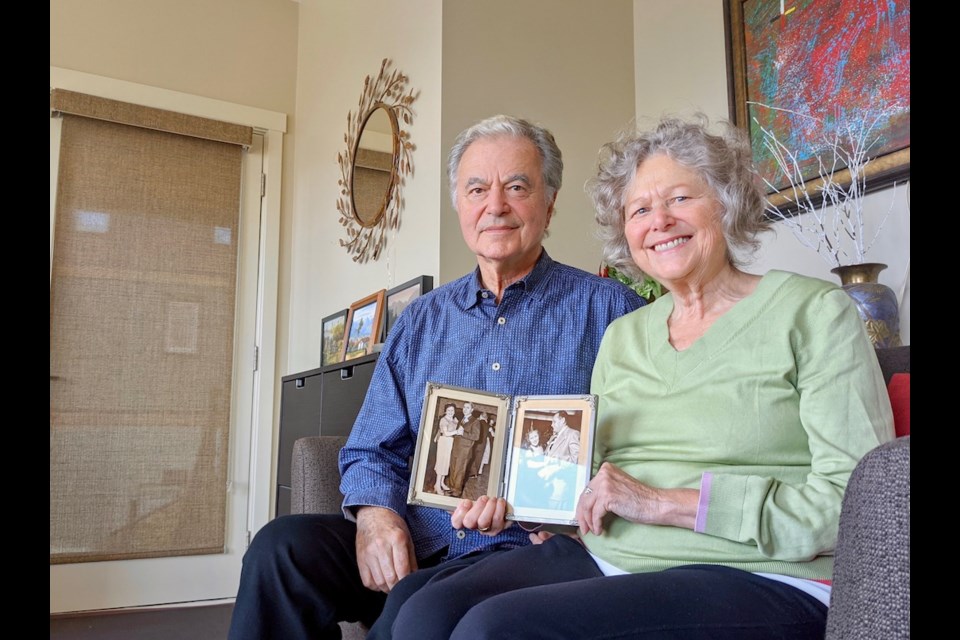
<point x="459" y="449"/>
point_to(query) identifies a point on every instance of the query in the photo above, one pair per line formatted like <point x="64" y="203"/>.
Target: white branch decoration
<point x="830" y="221"/>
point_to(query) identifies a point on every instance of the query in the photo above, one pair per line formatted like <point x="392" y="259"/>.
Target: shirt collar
<point x="470" y="292"/>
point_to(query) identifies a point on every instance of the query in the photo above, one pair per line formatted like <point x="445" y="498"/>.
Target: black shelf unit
<point x="322" y="401"/>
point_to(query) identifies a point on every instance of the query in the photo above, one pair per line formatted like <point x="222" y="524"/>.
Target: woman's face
<point x="449" y="412"/>
<point x="533" y="437"/>
<point x="672" y="223"/>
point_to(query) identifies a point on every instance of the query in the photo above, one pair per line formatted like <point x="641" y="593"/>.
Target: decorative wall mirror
<point x="375" y="164"/>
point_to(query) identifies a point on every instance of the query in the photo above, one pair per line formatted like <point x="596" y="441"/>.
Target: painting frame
<point x="400" y="296"/>
<point x="331" y="344"/>
<point x="539" y="487"/>
<point x="749" y="55"/>
<point x="358" y="340"/>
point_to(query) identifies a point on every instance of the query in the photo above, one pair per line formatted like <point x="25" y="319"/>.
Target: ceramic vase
<point x="876" y="303"/>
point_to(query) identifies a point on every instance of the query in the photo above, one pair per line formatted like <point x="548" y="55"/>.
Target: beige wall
<point x="340" y="44"/>
<point x="566" y="64"/>
<point x="241" y="51"/>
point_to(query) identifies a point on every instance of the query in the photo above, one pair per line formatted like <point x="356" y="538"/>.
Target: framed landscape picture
<point x="332" y="332"/>
<point x="363" y="325"/>
<point x="400" y="296"/>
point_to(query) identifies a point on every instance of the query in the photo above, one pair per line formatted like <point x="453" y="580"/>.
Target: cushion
<point x="899" y="390"/>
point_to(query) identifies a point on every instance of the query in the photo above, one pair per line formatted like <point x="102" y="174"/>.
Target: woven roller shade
<point x="142" y="322"/>
<point x="82" y="104"/>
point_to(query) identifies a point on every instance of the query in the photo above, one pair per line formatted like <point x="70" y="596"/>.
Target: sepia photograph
<point x="549" y="459"/>
<point x="459" y="448"/>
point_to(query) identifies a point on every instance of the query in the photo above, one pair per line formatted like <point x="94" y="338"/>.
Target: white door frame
<point x="80" y="587"/>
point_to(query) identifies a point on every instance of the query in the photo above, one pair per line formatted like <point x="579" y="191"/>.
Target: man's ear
<point x="550" y="209"/>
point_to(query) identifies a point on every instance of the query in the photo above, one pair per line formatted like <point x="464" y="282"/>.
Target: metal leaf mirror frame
<point x="366" y="238"/>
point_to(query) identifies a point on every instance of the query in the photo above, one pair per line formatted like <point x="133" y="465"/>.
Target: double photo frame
<point x="534" y="451"/>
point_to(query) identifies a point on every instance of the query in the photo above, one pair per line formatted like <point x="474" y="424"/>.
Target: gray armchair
<point x="871" y="577"/>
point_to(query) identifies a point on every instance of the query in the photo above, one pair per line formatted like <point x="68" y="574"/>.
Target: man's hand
<point x="385" y="551"/>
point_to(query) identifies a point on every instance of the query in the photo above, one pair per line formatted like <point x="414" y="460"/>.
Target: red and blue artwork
<point x="820" y="66"/>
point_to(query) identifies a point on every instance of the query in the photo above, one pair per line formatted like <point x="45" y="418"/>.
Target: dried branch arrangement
<point x="829" y="209"/>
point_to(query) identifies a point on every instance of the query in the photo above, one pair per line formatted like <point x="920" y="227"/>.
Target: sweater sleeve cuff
<point x="706" y="482"/>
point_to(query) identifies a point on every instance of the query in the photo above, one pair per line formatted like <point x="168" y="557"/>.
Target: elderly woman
<point x="731" y="413"/>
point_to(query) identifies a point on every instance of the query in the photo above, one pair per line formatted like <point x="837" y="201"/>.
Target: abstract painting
<point x="809" y="70"/>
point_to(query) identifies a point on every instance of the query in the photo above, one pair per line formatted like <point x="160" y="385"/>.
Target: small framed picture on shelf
<point x="400" y="296"/>
<point x="332" y="332"/>
<point x="363" y="325"/>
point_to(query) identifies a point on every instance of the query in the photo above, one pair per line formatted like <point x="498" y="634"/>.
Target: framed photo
<point x="807" y="71"/>
<point x="400" y="296"/>
<point x="363" y="325"/>
<point x="459" y="429"/>
<point x="535" y="451"/>
<point x="550" y="457"/>
<point x="332" y="333"/>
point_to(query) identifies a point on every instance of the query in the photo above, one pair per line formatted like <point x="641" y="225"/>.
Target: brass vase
<point x="876" y="303"/>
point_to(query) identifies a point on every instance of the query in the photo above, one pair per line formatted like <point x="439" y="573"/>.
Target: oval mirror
<point x="374" y="166"/>
<point x="376" y="163"/>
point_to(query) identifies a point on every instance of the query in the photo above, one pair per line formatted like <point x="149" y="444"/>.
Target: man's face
<point x="558" y="422"/>
<point x="467" y="408"/>
<point x="501" y="200"/>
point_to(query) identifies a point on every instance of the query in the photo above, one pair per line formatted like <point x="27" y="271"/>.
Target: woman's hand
<point x="486" y="515"/>
<point x="614" y="491"/>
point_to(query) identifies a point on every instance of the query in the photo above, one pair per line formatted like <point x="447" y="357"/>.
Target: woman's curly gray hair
<point x="723" y="160"/>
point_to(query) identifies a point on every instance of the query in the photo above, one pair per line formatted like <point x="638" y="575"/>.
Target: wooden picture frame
<point x="801" y="68"/>
<point x="363" y="325"/>
<point x="400" y="296"/>
<point x="539" y="486"/>
<point x="332" y="334"/>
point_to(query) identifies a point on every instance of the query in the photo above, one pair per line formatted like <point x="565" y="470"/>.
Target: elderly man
<point x="520" y="323"/>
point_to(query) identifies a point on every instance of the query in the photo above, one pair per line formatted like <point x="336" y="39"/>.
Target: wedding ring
<point x="484" y="529"/>
<point x="588" y="490"/>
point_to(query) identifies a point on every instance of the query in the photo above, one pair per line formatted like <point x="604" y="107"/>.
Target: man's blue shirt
<point x="542" y="339"/>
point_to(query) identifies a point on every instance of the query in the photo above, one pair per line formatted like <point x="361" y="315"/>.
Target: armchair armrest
<point x="316" y="475"/>
<point x="871" y="574"/>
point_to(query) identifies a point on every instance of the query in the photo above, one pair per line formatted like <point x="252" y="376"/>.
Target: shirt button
<point x="501" y="320"/>
<point x="496" y="366"/>
<point x="484" y="295"/>
<point x="461" y="534"/>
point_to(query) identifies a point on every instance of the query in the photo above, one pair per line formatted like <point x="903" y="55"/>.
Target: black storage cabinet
<point x="323" y="401"/>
